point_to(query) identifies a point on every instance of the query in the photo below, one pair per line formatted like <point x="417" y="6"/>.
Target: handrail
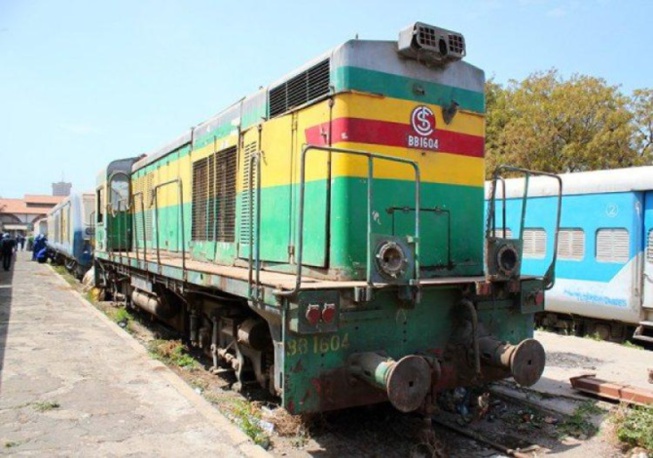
<point x="155" y="201"/>
<point x="254" y="158"/>
<point x="549" y="276"/>
<point x="370" y="195"/>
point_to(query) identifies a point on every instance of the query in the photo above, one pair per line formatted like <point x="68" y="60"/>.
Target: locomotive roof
<point x="367" y="54"/>
<point x="596" y="182"/>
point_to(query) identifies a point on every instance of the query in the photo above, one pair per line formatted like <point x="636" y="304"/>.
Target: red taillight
<point x="313" y="314"/>
<point x="329" y="313"/>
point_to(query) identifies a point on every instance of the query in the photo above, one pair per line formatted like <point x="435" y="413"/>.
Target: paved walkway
<point x="73" y="384"/>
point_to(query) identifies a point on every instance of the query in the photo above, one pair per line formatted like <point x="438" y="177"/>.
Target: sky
<point x="85" y="82"/>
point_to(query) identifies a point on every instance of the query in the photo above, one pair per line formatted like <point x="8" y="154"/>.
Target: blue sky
<point x="85" y="82"/>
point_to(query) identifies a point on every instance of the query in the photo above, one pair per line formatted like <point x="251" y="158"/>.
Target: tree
<point x="549" y="124"/>
<point x="642" y="109"/>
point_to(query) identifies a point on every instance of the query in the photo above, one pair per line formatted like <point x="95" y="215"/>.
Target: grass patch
<point x="46" y="406"/>
<point x="172" y="352"/>
<point x="634" y="426"/>
<point x="248" y="417"/>
<point x="579" y="424"/>
<point x="11" y="444"/>
<point x="121" y="316"/>
<point x="629" y="344"/>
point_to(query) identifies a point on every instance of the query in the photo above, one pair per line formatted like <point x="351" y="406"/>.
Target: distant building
<point x="17" y="216"/>
<point x="61" y="189"/>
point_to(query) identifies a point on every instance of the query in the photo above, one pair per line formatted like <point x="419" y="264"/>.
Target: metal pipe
<point x="254" y="158"/>
<point x="300" y="237"/>
<point x="477" y="354"/>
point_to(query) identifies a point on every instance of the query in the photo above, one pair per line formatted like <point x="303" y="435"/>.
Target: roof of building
<point x="30" y="205"/>
<point x="43" y="199"/>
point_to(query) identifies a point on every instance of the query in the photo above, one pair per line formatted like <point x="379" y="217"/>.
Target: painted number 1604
<point x="317" y="344"/>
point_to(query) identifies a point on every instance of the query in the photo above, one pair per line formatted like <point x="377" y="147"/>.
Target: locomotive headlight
<point x="391" y="259"/>
<point x="507" y="259"/>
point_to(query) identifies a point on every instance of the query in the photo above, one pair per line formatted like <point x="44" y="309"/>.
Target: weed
<point x="45" y="406"/>
<point x="596" y="336"/>
<point x="172" y="352"/>
<point x="248" y="417"/>
<point x="629" y="344"/>
<point x="579" y="423"/>
<point x="634" y="426"/>
<point x="11" y="444"/>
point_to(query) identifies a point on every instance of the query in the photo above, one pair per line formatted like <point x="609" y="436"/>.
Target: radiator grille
<point x="300" y="89"/>
<point x="225" y="184"/>
<point x="200" y="199"/>
<point x="250" y="149"/>
<point x="214" y="197"/>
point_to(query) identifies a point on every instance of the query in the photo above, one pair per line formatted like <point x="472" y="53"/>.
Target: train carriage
<point x="70" y="232"/>
<point x="604" y="260"/>
<point x="324" y="235"/>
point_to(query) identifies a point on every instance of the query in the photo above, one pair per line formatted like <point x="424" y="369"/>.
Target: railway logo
<point x="611" y="210"/>
<point x="422" y="120"/>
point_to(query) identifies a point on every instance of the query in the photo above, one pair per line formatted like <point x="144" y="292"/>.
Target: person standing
<point x="21" y="241"/>
<point x="7" y="248"/>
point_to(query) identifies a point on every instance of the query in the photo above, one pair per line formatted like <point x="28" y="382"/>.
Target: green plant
<point x="45" y="406"/>
<point x="629" y="344"/>
<point x="172" y="352"/>
<point x="634" y="426"/>
<point x="11" y="444"/>
<point x="249" y="420"/>
<point x="579" y="423"/>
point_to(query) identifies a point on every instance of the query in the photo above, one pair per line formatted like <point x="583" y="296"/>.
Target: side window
<point x="613" y="245"/>
<point x="99" y="211"/>
<point x="534" y="243"/>
<point x="571" y="244"/>
<point x="119" y="192"/>
<point x="649" y="246"/>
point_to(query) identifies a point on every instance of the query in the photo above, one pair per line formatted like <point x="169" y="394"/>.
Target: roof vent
<point x="432" y="44"/>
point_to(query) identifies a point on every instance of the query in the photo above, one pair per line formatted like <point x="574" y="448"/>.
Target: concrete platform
<point x="74" y="384"/>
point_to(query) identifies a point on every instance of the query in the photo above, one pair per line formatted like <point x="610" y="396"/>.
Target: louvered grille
<point x="499" y="232"/>
<point x="534" y="243"/>
<point x="214" y="197"/>
<point x="300" y="89"/>
<point x="200" y="199"/>
<point x="225" y="179"/>
<point x="250" y="149"/>
<point x="612" y="245"/>
<point x="649" y="247"/>
<point x="571" y="244"/>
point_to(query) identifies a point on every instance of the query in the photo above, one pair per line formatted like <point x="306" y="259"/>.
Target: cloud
<point x="79" y="128"/>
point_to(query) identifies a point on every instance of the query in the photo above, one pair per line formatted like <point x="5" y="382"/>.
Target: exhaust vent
<point x="431" y="44"/>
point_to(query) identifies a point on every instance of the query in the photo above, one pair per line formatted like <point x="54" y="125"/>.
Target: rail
<point x="254" y="158"/>
<point x="549" y="276"/>
<point x="155" y="201"/>
<point x="370" y="195"/>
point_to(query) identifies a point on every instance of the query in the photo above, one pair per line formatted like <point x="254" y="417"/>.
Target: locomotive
<point x="324" y="236"/>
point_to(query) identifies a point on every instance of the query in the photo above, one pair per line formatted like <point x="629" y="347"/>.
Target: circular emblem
<point x="423" y="120"/>
<point x="611" y="210"/>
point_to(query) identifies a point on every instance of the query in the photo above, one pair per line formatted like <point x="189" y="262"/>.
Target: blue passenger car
<point x="70" y="233"/>
<point x="604" y="267"/>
